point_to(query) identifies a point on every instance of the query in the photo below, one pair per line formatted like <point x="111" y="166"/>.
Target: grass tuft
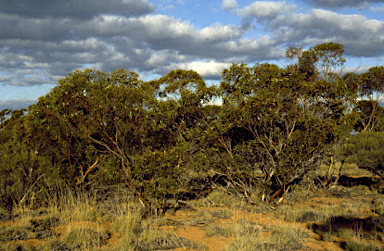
<point x="357" y="244"/>
<point x="283" y="238"/>
<point x="85" y="238"/>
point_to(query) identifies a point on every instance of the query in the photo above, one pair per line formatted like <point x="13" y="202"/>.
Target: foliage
<point x="366" y="150"/>
<point x="274" y="126"/>
<point x="22" y="172"/>
<point x="280" y="109"/>
<point x="91" y="116"/>
<point x="95" y="120"/>
<point x="371" y="116"/>
<point x="320" y="59"/>
<point x="372" y="88"/>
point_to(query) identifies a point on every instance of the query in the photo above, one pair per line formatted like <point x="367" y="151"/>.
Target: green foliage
<point x="366" y="150"/>
<point x="378" y="205"/>
<point x="160" y="171"/>
<point x="370" y="112"/>
<point x="106" y="128"/>
<point x="291" y="123"/>
<point x="371" y="116"/>
<point x="94" y="121"/>
<point x="23" y="173"/>
<point x="321" y="59"/>
<point x="373" y="80"/>
<point x="92" y="115"/>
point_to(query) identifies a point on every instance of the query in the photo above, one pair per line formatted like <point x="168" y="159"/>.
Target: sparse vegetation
<point x="283" y="238"/>
<point x="357" y="244"/>
<point x="107" y="161"/>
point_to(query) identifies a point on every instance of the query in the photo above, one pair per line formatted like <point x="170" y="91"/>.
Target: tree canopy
<point x="271" y="127"/>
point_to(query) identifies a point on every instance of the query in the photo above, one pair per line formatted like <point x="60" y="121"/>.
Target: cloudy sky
<point x="43" y="40"/>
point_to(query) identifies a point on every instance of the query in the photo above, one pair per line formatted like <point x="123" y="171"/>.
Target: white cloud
<point x="50" y="45"/>
<point x="229" y="4"/>
<point x="377" y="9"/>
<point x="264" y="9"/>
<point x="219" y="32"/>
<point x="360" y="36"/>
<point x="205" y="69"/>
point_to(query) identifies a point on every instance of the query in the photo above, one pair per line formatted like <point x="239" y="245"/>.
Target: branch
<point x="88" y="171"/>
<point x="220" y="140"/>
<point x="370" y="117"/>
<point x="103" y="144"/>
<point x="30" y="189"/>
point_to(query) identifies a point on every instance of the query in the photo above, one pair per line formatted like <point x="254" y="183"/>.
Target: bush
<point x="366" y="150"/>
<point x="23" y="173"/>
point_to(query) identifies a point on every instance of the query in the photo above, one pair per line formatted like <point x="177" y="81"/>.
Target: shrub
<point x="366" y="150"/>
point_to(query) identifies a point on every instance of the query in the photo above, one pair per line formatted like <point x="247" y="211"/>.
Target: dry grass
<point x="283" y="238"/>
<point x="350" y="220"/>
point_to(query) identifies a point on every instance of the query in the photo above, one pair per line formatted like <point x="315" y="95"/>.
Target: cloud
<point x="360" y="36"/>
<point x="343" y="3"/>
<point x="143" y="43"/>
<point x="207" y="69"/>
<point x="40" y="46"/>
<point x="78" y="9"/>
<point x="16" y="104"/>
<point x="377" y="9"/>
<point x="264" y="9"/>
<point x="219" y="32"/>
<point x="229" y="4"/>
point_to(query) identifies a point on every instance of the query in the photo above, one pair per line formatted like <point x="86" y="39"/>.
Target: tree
<point x="321" y="58"/>
<point x="95" y="118"/>
<point x="318" y="63"/>
<point x="281" y="109"/>
<point x="23" y="173"/>
<point x="372" y="88"/>
<point x="293" y="53"/>
<point x="370" y="116"/>
<point x="180" y="117"/>
<point x="92" y="116"/>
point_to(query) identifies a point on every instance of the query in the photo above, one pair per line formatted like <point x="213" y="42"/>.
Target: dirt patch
<point x="199" y="238"/>
<point x="192" y="228"/>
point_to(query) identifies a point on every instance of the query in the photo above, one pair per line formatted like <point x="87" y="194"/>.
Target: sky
<point x="42" y="41"/>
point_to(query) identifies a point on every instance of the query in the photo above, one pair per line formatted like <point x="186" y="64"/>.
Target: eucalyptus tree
<point x="91" y="117"/>
<point x="370" y="116"/>
<point x="322" y="62"/>
<point x="319" y="61"/>
<point x="293" y="123"/>
<point x="372" y="94"/>
<point x="180" y="117"/>
<point x="24" y="176"/>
